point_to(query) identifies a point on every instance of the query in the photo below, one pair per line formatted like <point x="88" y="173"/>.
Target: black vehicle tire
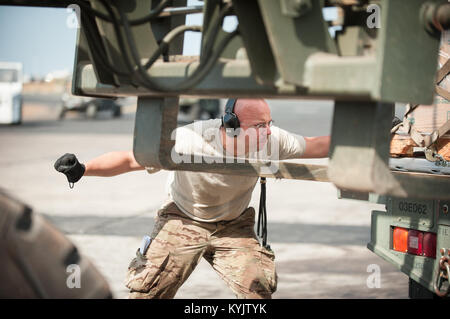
<point x="91" y="111"/>
<point x="417" y="291"/>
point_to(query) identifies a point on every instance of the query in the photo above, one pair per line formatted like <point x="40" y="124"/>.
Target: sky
<point x="44" y="39"/>
<point x="40" y="38"/>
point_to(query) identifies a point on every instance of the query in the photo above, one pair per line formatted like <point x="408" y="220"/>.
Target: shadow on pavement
<point x="278" y="232"/>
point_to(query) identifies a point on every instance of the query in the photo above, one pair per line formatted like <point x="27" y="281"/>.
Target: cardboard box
<point x="428" y="118"/>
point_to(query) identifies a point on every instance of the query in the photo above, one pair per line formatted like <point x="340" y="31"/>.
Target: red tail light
<point x="429" y="245"/>
<point x="414" y="242"/>
<point x="400" y="239"/>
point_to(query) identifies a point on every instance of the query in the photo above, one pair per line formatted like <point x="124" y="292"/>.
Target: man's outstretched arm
<point x="317" y="147"/>
<point x="109" y="164"/>
<point x="112" y="163"/>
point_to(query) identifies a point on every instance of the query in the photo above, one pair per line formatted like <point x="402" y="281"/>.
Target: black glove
<point x="68" y="165"/>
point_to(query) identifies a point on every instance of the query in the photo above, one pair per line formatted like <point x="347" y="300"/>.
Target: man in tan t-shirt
<point x="207" y="214"/>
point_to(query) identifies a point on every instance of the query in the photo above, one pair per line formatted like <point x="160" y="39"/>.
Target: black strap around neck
<point x="262" y="216"/>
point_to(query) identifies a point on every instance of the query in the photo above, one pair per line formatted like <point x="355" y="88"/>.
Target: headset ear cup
<point x="230" y="119"/>
<point x="236" y="123"/>
<point x="232" y="125"/>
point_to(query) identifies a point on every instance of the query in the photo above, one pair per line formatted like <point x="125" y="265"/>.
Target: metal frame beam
<point x="156" y="120"/>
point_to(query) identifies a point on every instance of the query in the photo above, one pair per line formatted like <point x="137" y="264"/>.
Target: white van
<point x="10" y="93"/>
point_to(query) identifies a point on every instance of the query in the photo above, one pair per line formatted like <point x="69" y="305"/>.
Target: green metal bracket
<point x="406" y="54"/>
<point x="360" y="161"/>
<point x="370" y="197"/>
<point x="293" y="40"/>
<point x="256" y="42"/>
<point x="295" y="8"/>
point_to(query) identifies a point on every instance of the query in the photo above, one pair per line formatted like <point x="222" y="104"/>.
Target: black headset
<point x="230" y="119"/>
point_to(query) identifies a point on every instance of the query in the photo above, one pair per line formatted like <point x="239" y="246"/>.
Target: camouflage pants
<point x="178" y="244"/>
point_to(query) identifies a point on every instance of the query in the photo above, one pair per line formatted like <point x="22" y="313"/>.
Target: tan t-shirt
<point x="211" y="197"/>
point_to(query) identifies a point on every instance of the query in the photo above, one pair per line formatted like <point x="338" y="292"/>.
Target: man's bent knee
<point x="260" y="286"/>
<point x="152" y="279"/>
<point x="255" y="278"/>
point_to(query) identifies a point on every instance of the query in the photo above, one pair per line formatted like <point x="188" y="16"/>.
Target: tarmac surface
<point x="319" y="240"/>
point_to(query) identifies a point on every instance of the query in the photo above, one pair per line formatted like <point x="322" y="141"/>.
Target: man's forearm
<point x="111" y="164"/>
<point x="317" y="147"/>
<point x="324" y="145"/>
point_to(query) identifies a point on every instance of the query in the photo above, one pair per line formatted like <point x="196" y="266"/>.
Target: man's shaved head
<point x="252" y="111"/>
